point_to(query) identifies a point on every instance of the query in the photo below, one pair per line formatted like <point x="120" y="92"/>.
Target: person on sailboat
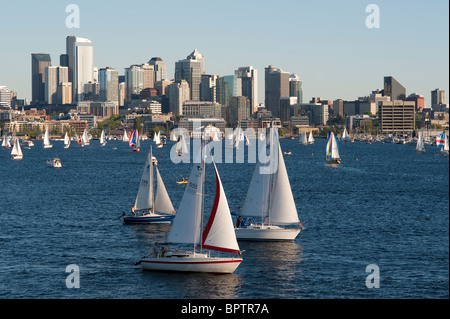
<point x="238" y="222"/>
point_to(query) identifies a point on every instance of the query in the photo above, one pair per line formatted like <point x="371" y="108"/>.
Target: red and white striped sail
<point x="219" y="231"/>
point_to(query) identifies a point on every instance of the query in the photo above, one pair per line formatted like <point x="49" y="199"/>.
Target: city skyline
<point x="327" y="44"/>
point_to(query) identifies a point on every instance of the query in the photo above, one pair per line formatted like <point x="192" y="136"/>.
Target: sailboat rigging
<point x="218" y="234"/>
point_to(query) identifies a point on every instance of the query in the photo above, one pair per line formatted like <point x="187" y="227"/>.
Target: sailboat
<point x="181" y="147"/>
<point x="311" y="138"/>
<point x="303" y="140"/>
<point x="103" y="138"/>
<point x="345" y="136"/>
<point x="6" y="143"/>
<point x="419" y="146"/>
<point x="332" y="150"/>
<point x="66" y="141"/>
<point x="125" y="137"/>
<point x="218" y="235"/>
<point x="269" y="199"/>
<point x="16" y="151"/>
<point x="442" y="142"/>
<point x="134" y="141"/>
<point x="85" y="137"/>
<point x="47" y="139"/>
<point x="157" y="140"/>
<point x="147" y="207"/>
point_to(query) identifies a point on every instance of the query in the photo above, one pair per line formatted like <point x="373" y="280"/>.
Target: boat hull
<point x="192" y="264"/>
<point x="266" y="233"/>
<point x="153" y="219"/>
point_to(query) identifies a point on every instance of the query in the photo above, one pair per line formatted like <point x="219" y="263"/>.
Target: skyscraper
<point x="108" y="84"/>
<point x="54" y="77"/>
<point x="295" y="87"/>
<point x="191" y="70"/>
<point x="159" y="67"/>
<point x="5" y="96"/>
<point x="437" y="97"/>
<point x="394" y="89"/>
<point x="249" y="85"/>
<point x="80" y="54"/>
<point x="276" y="87"/>
<point x="39" y="61"/>
<point x="178" y="93"/>
<point x="134" y="81"/>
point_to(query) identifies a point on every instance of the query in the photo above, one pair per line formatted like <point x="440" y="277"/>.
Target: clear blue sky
<point x="326" y="43"/>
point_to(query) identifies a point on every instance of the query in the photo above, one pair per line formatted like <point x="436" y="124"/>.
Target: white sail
<point x="85" y="137"/>
<point x="6" y="143"/>
<point x="310" y="138"/>
<point x="345" y="134"/>
<point x="14" y="148"/>
<point x="47" y="139"/>
<point x="334" y="147"/>
<point x="186" y="224"/>
<point x="103" y="138"/>
<point x="66" y="140"/>
<point x="303" y="140"/>
<point x="125" y="136"/>
<point x="256" y="203"/>
<point x="445" y="144"/>
<point x="163" y="203"/>
<point x="282" y="204"/>
<point x="420" y="146"/>
<point x="219" y="231"/>
<point x="144" y="198"/>
<point x="157" y="138"/>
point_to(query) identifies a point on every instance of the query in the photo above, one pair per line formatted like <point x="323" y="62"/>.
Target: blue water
<point x="384" y="205"/>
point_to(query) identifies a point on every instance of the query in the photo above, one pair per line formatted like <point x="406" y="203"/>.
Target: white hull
<point x="266" y="233"/>
<point x="192" y="263"/>
<point x="17" y="157"/>
<point x="48" y="146"/>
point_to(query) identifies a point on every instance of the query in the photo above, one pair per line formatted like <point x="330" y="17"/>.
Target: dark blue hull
<point x="158" y="219"/>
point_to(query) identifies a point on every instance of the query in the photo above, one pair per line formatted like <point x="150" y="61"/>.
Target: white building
<point x="54" y="77"/>
<point x="83" y="66"/>
<point x="5" y="97"/>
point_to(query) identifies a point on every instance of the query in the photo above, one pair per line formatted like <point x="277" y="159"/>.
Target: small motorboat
<point x="287" y="153"/>
<point x="55" y="162"/>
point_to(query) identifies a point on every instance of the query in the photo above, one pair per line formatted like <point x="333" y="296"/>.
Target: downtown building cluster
<point x="87" y="94"/>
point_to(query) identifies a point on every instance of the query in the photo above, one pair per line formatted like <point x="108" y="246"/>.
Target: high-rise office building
<point x="80" y="54"/>
<point x="191" y="70"/>
<point x="296" y="87"/>
<point x="249" y="85"/>
<point x="134" y="81"/>
<point x="39" y="61"/>
<point x="178" y="93"/>
<point x="276" y="87"/>
<point x="208" y="87"/>
<point x="108" y="79"/>
<point x="437" y="97"/>
<point x="159" y="67"/>
<point x="397" y="117"/>
<point x="239" y="109"/>
<point x="149" y="75"/>
<point x="54" y="77"/>
<point x="394" y="89"/>
<point x="5" y="96"/>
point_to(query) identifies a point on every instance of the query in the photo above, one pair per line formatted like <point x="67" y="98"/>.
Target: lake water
<point x="385" y="205"/>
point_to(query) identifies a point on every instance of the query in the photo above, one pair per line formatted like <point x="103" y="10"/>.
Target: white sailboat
<point x="85" y="137"/>
<point x="332" y="150"/>
<point x="149" y="208"/>
<point x="420" y="147"/>
<point x="103" y="138"/>
<point x="310" y="138"/>
<point x="269" y="199"/>
<point x="187" y="229"/>
<point x="445" y="149"/>
<point x="302" y="139"/>
<point x="125" y="136"/>
<point x="157" y="140"/>
<point x="66" y="141"/>
<point x="47" y="139"/>
<point x="181" y="146"/>
<point x="16" y="151"/>
<point x="6" y="143"/>
<point x="345" y="136"/>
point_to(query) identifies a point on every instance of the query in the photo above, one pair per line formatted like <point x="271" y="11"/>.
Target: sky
<point x="327" y="43"/>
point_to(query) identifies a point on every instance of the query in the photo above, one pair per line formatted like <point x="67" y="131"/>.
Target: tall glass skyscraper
<point x="191" y="70"/>
<point x="39" y="61"/>
<point x="249" y="85"/>
<point x="80" y="54"/>
<point x="276" y="87"/>
<point x="159" y="68"/>
<point x="108" y="79"/>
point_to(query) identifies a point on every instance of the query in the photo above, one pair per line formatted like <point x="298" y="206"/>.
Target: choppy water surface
<point x="384" y="205"/>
